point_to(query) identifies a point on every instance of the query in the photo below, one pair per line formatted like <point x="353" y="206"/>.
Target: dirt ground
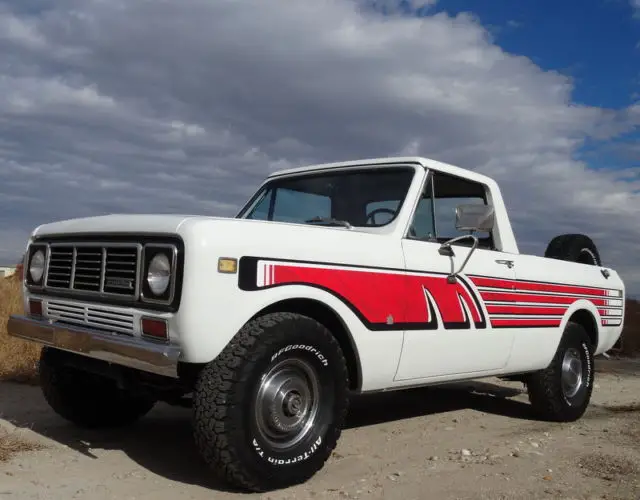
<point x="472" y="441"/>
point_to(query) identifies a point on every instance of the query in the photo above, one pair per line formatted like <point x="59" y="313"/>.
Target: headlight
<point x="159" y="274"/>
<point x="36" y="266"/>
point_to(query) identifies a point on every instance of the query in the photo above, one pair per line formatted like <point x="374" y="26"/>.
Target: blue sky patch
<point x="596" y="44"/>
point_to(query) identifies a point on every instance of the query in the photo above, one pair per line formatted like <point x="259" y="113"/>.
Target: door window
<point x="435" y="216"/>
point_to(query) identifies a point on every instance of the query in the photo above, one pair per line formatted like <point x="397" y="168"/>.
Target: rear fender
<point x="593" y="330"/>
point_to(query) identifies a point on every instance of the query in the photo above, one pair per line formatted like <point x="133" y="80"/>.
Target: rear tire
<point x="86" y="399"/>
<point x="574" y="248"/>
<point x="269" y="410"/>
<point x="562" y="391"/>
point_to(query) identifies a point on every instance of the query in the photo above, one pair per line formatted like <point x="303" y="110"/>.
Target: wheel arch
<point x="328" y="317"/>
<point x="585" y="314"/>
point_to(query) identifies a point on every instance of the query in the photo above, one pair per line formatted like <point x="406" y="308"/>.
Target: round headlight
<point x="36" y="266"/>
<point x="159" y="274"/>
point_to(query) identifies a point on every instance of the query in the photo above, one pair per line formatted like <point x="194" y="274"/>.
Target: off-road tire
<point x="86" y="399"/>
<point x="574" y="248"/>
<point x="545" y="388"/>
<point x="226" y="428"/>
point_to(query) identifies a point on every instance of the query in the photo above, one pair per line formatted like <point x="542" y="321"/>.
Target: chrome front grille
<point x="101" y="318"/>
<point x="89" y="268"/>
<point x="60" y="264"/>
<point x="120" y="270"/>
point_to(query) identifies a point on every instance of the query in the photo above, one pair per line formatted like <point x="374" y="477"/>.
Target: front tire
<point x="86" y="399"/>
<point x="562" y="391"/>
<point x="269" y="410"/>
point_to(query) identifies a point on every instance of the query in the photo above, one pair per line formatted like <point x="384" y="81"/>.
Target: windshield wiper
<point x="329" y="221"/>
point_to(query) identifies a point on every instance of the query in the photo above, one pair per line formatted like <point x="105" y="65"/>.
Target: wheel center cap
<point x="293" y="404"/>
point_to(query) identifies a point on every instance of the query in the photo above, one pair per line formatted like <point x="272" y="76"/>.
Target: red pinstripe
<point x="538" y="299"/>
<point x="538" y="287"/>
<point x="506" y="292"/>
<point x="525" y="322"/>
<point x="542" y="311"/>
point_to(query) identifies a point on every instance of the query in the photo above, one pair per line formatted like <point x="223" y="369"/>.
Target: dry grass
<point x="17" y="358"/>
<point x="11" y="444"/>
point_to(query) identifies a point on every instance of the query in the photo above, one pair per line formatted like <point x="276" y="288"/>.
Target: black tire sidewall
<point x="311" y="342"/>
<point x="569" y="247"/>
<point x="86" y="399"/>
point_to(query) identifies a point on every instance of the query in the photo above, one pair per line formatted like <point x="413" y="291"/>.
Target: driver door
<point x="457" y="338"/>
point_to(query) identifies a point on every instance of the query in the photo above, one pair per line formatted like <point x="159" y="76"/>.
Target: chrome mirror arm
<point x="446" y="249"/>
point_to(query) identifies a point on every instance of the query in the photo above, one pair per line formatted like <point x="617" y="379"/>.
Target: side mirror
<point x="468" y="218"/>
<point x="475" y="217"/>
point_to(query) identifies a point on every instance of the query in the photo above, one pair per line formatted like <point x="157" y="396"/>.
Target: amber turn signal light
<point x="227" y="265"/>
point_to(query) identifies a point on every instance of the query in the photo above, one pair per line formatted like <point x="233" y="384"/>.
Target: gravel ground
<point x="471" y="441"/>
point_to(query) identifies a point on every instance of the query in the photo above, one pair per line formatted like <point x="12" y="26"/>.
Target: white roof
<point x="424" y="162"/>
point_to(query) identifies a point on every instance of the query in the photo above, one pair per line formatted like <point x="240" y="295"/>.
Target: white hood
<point x="117" y="223"/>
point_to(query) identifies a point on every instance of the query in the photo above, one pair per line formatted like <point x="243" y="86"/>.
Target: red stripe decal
<point x="536" y="299"/>
<point x="515" y="323"/>
<point x="524" y="310"/>
<point x="398" y="300"/>
<point x="538" y="287"/>
<point x="376" y="295"/>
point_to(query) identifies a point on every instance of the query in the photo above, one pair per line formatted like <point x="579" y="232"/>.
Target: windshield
<point x="362" y="197"/>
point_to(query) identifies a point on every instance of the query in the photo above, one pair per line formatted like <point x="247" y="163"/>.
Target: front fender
<point x="207" y="325"/>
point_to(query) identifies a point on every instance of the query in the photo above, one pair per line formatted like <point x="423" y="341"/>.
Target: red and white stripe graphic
<point x="378" y="294"/>
<point x="266" y="273"/>
<point x="512" y="302"/>
<point x="405" y="296"/>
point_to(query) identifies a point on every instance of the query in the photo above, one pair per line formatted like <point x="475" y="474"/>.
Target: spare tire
<point x="575" y="248"/>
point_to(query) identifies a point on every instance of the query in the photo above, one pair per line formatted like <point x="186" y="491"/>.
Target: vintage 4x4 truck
<point x="333" y="280"/>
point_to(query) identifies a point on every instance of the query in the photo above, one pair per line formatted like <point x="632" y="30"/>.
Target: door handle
<point x="508" y="263"/>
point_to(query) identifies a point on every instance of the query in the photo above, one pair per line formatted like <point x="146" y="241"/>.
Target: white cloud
<point x="184" y="106"/>
<point x="635" y="8"/>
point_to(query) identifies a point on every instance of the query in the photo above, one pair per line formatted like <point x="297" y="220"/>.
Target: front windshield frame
<point x="278" y="182"/>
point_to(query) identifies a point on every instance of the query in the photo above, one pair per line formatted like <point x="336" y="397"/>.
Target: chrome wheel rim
<point x="572" y="376"/>
<point x="287" y="403"/>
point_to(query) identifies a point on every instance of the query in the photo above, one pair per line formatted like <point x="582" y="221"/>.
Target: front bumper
<point x="119" y="349"/>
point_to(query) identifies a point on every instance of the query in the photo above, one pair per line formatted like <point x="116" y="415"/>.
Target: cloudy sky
<point x="184" y="106"/>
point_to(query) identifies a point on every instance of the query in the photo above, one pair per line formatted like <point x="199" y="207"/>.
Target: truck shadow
<point x="162" y="442"/>
<point x="371" y="409"/>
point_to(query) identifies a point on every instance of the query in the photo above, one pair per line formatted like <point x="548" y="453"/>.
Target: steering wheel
<point x="372" y="214"/>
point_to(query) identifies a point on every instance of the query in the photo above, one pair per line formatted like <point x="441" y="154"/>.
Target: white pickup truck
<point x="333" y="280"/>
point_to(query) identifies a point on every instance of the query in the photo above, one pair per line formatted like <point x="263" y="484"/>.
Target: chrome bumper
<point x="114" y="348"/>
